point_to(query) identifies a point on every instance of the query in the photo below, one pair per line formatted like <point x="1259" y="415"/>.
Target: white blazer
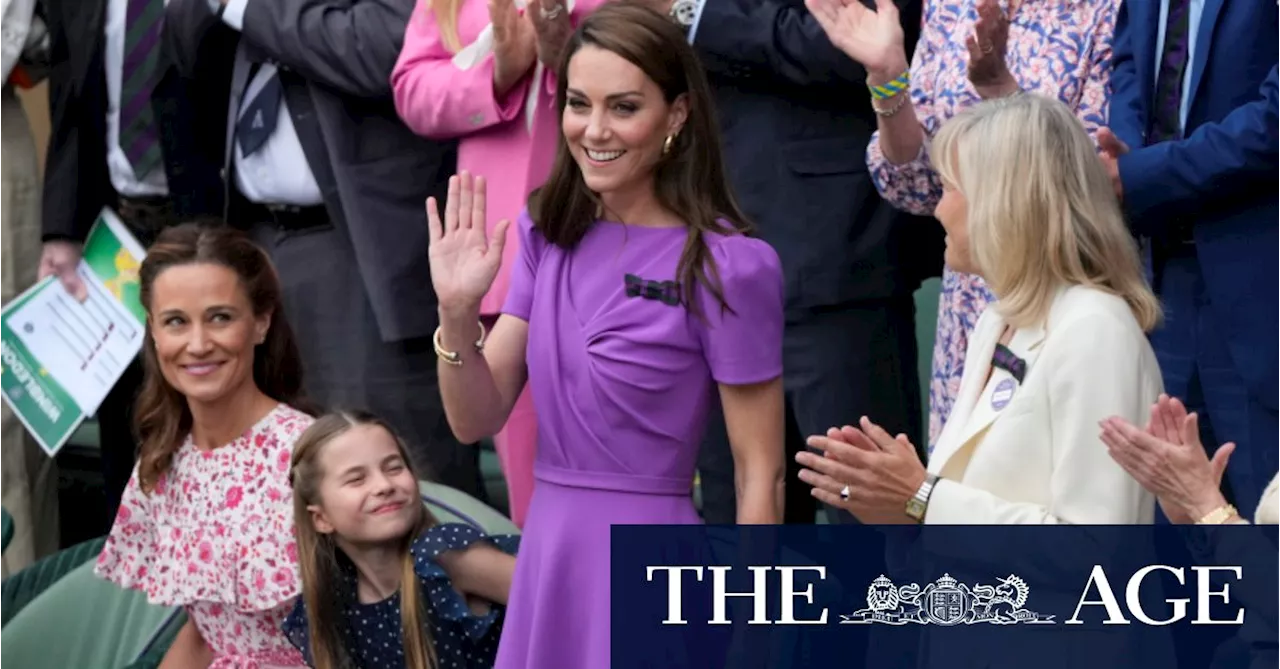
<point x="1029" y="453"/>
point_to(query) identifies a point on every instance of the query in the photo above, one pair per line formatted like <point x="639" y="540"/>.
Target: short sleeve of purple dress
<point x="623" y="378"/>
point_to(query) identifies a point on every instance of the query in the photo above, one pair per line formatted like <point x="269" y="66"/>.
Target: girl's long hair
<point x="162" y="418"/>
<point x="690" y="180"/>
<point x="445" y="14"/>
<point x="319" y="559"/>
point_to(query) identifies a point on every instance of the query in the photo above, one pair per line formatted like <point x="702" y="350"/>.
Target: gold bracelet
<point x="453" y="357"/>
<point x="1218" y="516"/>
<point x="897" y="107"/>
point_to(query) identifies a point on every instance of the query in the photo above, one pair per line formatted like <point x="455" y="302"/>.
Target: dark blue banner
<point x="947" y="597"/>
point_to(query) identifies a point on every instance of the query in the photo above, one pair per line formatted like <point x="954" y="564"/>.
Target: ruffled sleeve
<point x="217" y="528"/>
<point x="448" y="604"/>
<point x="743" y="343"/>
<point x="525" y="272"/>
<point x="124" y="559"/>
<point x="297" y="630"/>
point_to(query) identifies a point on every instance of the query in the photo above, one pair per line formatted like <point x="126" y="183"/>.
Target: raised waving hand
<point x="464" y="260"/>
<point x="872" y="37"/>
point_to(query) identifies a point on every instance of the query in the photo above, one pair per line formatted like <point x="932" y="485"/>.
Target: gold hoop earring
<point x="666" y="146"/>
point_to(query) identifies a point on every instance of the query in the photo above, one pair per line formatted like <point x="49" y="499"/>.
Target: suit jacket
<point x="335" y="59"/>
<point x="1222" y="176"/>
<point x="796" y="118"/>
<point x="1039" y="458"/>
<point x="77" y="183"/>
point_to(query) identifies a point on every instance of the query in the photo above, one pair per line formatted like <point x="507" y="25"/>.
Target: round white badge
<point x="1003" y="394"/>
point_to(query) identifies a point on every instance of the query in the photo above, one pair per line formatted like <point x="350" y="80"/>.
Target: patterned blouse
<point x="1057" y="48"/>
<point x="216" y="536"/>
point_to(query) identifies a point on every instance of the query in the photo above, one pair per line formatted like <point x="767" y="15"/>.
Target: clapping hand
<point x="553" y="28"/>
<point x="463" y="262"/>
<point x="987" y="45"/>
<point x="514" y="44"/>
<point x="873" y="38"/>
<point x="1169" y="460"/>
<point x="880" y="471"/>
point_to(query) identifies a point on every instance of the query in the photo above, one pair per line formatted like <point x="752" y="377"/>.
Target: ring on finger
<point x="987" y="48"/>
<point x="844" y="493"/>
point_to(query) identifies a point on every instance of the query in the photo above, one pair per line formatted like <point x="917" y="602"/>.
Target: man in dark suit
<point x="1193" y="153"/>
<point x="323" y="172"/>
<point x="796" y="118"/>
<point x="132" y="133"/>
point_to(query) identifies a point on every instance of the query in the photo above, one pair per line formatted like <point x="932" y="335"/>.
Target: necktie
<point x="258" y="118"/>
<point x="1166" y="122"/>
<point x="139" y="136"/>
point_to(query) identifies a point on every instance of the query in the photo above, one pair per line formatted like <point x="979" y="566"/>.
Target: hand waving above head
<point x="464" y="261"/>
<point x="874" y="38"/>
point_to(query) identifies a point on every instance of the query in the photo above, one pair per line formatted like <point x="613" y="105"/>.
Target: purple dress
<point x="623" y="383"/>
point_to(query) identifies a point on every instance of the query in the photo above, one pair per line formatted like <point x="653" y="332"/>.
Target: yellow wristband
<point x="891" y="88"/>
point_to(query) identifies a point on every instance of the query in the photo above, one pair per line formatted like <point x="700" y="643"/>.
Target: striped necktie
<point x="139" y="135"/>
<point x="1166" y="121"/>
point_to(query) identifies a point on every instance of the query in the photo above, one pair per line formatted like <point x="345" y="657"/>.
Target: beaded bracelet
<point x="891" y="88"/>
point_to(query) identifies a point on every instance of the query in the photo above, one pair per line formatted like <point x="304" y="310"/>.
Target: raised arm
<point x="443" y="95"/>
<point x="1215" y="164"/>
<point x="480" y="385"/>
<point x="773" y="38"/>
<point x="344" y="44"/>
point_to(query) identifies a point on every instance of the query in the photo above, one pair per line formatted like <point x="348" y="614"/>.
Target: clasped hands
<point x="881" y="472"/>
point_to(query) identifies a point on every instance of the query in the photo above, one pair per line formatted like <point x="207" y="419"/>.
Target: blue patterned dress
<point x="371" y="632"/>
<point x="1057" y="48"/>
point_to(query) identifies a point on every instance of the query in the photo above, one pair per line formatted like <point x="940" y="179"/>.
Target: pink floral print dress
<point x="1057" y="48"/>
<point x="216" y="536"/>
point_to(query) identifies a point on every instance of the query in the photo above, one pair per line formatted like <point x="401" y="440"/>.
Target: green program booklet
<point x="61" y="356"/>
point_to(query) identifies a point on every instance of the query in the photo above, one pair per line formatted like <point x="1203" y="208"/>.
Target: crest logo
<point x="947" y="602"/>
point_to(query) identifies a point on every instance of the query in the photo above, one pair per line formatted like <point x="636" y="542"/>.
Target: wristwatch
<point x="683" y="13"/>
<point x="919" y="502"/>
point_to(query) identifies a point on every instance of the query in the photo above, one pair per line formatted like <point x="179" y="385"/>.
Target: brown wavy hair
<point x="690" y="180"/>
<point x="162" y="418"/>
<point x="318" y="554"/>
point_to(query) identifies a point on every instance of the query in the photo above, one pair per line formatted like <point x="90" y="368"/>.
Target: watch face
<point x="915" y="509"/>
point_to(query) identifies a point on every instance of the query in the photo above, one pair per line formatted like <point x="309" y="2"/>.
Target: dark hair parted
<point x="161" y="416"/>
<point x="689" y="180"/>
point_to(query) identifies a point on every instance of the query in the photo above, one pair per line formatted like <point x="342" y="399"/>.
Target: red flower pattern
<point x="219" y="541"/>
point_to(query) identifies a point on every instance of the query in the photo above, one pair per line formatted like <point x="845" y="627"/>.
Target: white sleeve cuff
<point x="233" y="13"/>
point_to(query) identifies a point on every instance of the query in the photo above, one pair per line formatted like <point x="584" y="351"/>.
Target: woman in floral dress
<point x="206" y="521"/>
<point x="969" y="50"/>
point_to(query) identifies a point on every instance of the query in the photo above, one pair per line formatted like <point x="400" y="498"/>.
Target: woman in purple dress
<point x="637" y="300"/>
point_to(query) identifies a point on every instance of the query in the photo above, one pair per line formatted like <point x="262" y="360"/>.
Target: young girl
<point x="362" y="533"/>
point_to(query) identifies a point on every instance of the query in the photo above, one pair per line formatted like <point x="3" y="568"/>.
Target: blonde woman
<point x="483" y="73"/>
<point x="1027" y="206"/>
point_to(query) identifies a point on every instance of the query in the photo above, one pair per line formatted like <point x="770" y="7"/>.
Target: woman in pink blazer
<point x="483" y="73"/>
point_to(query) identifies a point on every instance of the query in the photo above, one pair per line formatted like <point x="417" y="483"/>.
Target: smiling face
<point x="204" y="330"/>
<point x="616" y="121"/>
<point x="368" y="495"/>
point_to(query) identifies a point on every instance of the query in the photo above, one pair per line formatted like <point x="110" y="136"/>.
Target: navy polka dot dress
<point x="463" y="639"/>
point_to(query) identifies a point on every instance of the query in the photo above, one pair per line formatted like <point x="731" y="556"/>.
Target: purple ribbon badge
<point x="1003" y="394"/>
